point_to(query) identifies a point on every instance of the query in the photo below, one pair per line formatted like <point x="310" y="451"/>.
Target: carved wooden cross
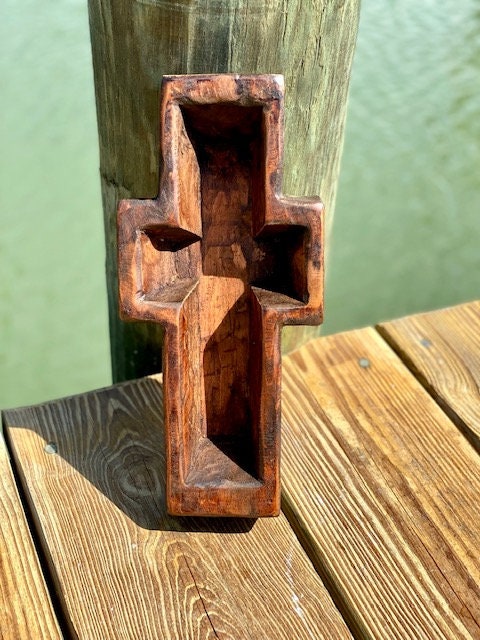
<point x="223" y="261"/>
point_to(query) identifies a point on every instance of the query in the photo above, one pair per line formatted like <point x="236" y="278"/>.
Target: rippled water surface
<point x="407" y="222"/>
<point x="407" y="228"/>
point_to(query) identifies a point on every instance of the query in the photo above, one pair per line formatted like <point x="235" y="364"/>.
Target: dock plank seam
<point x="65" y="625"/>
<point x="358" y="631"/>
<point x="442" y="402"/>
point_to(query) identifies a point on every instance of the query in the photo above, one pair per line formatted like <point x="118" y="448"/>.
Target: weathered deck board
<point x="25" y="607"/>
<point x="442" y="349"/>
<point x="383" y="489"/>
<point x="123" y="567"/>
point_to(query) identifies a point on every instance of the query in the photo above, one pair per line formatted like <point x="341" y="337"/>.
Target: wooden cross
<point x="223" y="261"/>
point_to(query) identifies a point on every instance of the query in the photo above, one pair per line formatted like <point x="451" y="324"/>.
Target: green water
<point x="407" y="225"/>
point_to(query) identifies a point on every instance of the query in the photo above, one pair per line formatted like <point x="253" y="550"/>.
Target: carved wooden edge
<point x="173" y="220"/>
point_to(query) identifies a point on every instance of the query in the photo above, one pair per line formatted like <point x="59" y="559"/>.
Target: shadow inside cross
<point x="114" y="437"/>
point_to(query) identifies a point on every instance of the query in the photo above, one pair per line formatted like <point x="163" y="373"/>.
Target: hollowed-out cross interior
<point x="220" y="278"/>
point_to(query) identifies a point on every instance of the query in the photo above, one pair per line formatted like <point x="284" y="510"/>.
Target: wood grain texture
<point x="135" y="43"/>
<point x="442" y="349"/>
<point x="223" y="260"/>
<point x="124" y="568"/>
<point x="383" y="489"/>
<point x="25" y="608"/>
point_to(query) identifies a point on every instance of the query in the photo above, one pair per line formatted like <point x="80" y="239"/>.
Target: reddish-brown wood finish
<point x="223" y="260"/>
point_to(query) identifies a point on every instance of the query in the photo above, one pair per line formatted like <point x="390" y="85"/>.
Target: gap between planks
<point x="442" y="350"/>
<point x="382" y="489"/>
<point x="26" y="609"/>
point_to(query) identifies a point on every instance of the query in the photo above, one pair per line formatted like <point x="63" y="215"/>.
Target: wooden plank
<point x="25" y="607"/>
<point x="383" y="489"/>
<point x="442" y="349"/>
<point x="135" y="43"/>
<point x="124" y="568"/>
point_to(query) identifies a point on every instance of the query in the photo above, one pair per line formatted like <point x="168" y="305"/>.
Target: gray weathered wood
<point x="135" y="43"/>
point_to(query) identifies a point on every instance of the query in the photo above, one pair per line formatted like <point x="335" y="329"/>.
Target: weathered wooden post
<point x="135" y="43"/>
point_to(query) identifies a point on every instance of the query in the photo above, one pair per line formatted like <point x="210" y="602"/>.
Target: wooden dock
<point x="379" y="535"/>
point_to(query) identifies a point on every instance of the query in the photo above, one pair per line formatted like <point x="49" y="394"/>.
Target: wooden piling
<point x="135" y="43"/>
